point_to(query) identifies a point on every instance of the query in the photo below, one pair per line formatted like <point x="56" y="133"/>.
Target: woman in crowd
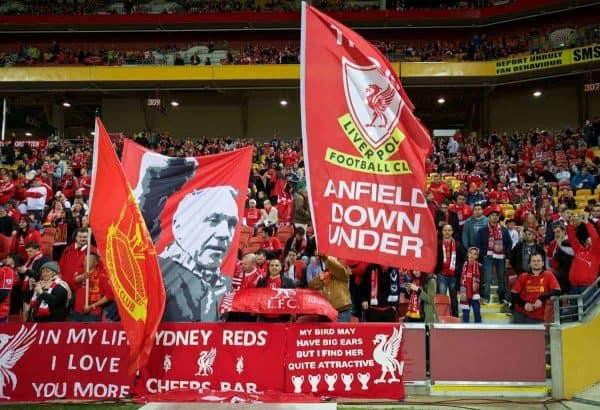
<point x="49" y="297"/>
<point x="421" y="298"/>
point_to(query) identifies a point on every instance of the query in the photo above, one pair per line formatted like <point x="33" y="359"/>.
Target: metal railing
<point x="574" y="308"/>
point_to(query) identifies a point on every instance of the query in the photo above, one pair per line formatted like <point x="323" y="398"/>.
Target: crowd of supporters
<point x="479" y="47"/>
<point x="78" y="7"/>
<point x="522" y="205"/>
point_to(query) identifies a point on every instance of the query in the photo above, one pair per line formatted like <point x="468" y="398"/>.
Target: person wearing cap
<point x="493" y="204"/>
<point x="48" y="298"/>
<point x="519" y="255"/>
<point x="494" y="243"/>
<point x="251" y="214"/>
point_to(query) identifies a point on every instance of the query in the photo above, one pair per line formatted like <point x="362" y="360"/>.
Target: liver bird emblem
<point x="378" y="101"/>
<point x="206" y="359"/>
<point x="385" y="354"/>
<point x="12" y="348"/>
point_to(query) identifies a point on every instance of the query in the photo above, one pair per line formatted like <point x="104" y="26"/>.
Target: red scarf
<point x="469" y="283"/>
<point x="495" y="245"/>
<point x="449" y="254"/>
<point x="374" y="287"/>
<point x="302" y="245"/>
<point x="414" y="310"/>
<point x="29" y="266"/>
<point x="41" y="309"/>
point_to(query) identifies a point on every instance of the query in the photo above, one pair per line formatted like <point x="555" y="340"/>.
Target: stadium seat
<point x="247" y="230"/>
<point x="255" y="240"/>
<point x="442" y="305"/>
<point x="583" y="192"/>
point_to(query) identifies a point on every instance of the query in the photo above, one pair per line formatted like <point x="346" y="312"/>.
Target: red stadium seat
<point x="442" y="305"/>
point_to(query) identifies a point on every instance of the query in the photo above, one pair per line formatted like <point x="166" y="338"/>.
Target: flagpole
<point x="4" y="110"/>
<point x="87" y="267"/>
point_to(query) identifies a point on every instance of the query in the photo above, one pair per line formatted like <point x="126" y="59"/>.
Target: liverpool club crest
<point x="374" y="103"/>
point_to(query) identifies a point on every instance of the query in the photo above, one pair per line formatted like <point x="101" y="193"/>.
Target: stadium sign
<point x="534" y="62"/>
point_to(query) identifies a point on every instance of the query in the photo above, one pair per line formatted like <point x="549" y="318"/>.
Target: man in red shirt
<point x="248" y="275"/>
<point x="252" y="214"/>
<point x="532" y="290"/>
<point x="586" y="258"/>
<point x="72" y="260"/>
<point x="271" y="243"/>
<point x="7" y="190"/>
<point x="88" y="309"/>
<point x="439" y="189"/>
<point x="262" y="265"/>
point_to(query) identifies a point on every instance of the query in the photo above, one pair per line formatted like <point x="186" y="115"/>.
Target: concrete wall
<point x="254" y="114"/>
<point x="516" y="109"/>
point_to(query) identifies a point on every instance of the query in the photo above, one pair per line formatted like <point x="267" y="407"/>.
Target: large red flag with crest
<point x="127" y="250"/>
<point x="364" y="151"/>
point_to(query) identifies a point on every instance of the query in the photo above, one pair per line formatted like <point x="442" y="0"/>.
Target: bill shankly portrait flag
<point x="126" y="248"/>
<point x="364" y="151"/>
<point x="165" y="182"/>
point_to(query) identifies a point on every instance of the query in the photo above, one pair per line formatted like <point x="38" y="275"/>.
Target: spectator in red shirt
<point x="271" y="244"/>
<point x="532" y="290"/>
<point x="439" y="189"/>
<point x="7" y="190"/>
<point x="586" y="258"/>
<point x="85" y="183"/>
<point x="252" y="214"/>
<point x="25" y="234"/>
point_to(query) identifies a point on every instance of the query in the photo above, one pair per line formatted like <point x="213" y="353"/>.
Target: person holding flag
<point x="124" y="243"/>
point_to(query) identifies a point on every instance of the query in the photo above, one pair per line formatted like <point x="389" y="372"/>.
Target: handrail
<point x="576" y="307"/>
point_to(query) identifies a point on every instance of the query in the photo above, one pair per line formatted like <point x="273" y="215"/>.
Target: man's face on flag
<point x="204" y="225"/>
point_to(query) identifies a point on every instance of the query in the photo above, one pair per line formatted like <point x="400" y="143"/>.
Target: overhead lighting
<point x="174" y="103"/>
<point x="67" y="104"/>
<point x="441" y="100"/>
<point x="537" y="93"/>
<point x="28" y="134"/>
<point x="283" y="102"/>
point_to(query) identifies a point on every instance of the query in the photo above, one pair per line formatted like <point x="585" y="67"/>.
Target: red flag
<point x="364" y="151"/>
<point x="196" y="240"/>
<point x="126" y="248"/>
<point x="278" y="302"/>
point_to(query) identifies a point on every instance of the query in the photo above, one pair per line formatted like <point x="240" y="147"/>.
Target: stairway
<point x="494" y="312"/>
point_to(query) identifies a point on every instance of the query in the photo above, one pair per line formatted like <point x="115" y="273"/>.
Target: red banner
<point x="88" y="361"/>
<point x="20" y="143"/>
<point x="346" y="360"/>
<point x="364" y="151"/>
<point x="278" y="302"/>
<point x="126" y="249"/>
<point x="194" y="238"/>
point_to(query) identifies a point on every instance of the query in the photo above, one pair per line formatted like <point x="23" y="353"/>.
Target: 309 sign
<point x="153" y="102"/>
<point x="591" y="87"/>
